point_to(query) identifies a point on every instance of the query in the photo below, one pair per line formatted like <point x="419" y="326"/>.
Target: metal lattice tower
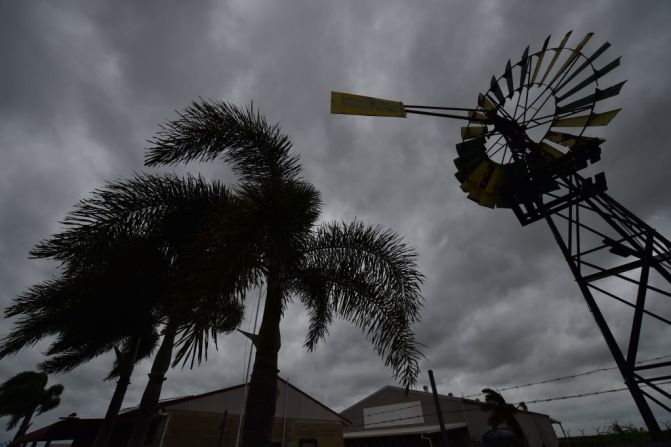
<point x="523" y="149"/>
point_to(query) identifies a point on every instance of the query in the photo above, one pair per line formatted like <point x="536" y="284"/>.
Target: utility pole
<point x="438" y="410"/>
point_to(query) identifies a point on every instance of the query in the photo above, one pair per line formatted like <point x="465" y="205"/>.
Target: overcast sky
<point x="83" y="85"/>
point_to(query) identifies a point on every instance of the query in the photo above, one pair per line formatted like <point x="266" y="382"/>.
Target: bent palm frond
<point x="368" y="276"/>
<point x="135" y="206"/>
<point x="50" y="398"/>
<point x="213" y="317"/>
<point x="207" y="130"/>
<point x="40" y="312"/>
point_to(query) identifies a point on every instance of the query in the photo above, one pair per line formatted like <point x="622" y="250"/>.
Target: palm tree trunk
<point x="25" y="424"/>
<point x="260" y="409"/>
<point x="127" y="360"/>
<point x="152" y="392"/>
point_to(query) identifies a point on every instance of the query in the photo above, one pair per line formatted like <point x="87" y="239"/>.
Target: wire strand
<point x="479" y="408"/>
<point x="572" y="376"/>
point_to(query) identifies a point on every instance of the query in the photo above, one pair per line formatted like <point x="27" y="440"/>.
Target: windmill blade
<point x="572" y="57"/>
<point x="596" y="75"/>
<point x="540" y="59"/>
<point x="553" y="152"/>
<point x="465" y="166"/>
<point x="473" y="131"/>
<point x="486" y="103"/>
<point x="496" y="89"/>
<point x="568" y="140"/>
<point x="482" y="198"/>
<point x="477" y="116"/>
<point x="482" y="184"/>
<point x="554" y="59"/>
<point x="524" y="65"/>
<point x="585" y="64"/>
<point x="595" y="119"/>
<point x="471" y="154"/>
<point x="470" y="147"/>
<point x="508" y="74"/>
<point x="599" y="95"/>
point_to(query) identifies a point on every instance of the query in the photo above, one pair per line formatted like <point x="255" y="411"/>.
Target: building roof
<point x="76" y="428"/>
<point x="423" y="393"/>
<point x="63" y="429"/>
<point x="166" y="403"/>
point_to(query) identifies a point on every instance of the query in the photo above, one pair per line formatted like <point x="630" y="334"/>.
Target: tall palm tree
<point x="120" y="253"/>
<point x="269" y="234"/>
<point x="24" y="395"/>
<point x="503" y="413"/>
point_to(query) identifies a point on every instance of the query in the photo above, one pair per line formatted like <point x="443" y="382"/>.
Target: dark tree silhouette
<point x="269" y="235"/>
<point x="71" y="311"/>
<point x="502" y="413"/>
<point x="24" y="395"/>
<point x="121" y="253"/>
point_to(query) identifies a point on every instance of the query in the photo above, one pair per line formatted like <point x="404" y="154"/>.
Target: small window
<point x="307" y="443"/>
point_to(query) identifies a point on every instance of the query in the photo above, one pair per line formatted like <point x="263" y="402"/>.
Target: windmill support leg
<point x="626" y="367"/>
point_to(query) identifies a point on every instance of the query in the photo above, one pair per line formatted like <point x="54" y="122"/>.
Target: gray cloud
<point x="85" y="84"/>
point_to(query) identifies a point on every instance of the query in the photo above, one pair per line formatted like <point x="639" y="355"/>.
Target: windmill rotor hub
<point x="528" y="131"/>
<point x="515" y="135"/>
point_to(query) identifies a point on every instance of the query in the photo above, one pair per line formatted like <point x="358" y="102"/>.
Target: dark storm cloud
<point x="85" y="84"/>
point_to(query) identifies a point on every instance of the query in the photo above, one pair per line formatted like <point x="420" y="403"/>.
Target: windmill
<point x="524" y="147"/>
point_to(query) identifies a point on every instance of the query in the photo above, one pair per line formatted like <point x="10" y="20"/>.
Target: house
<point x="390" y="416"/>
<point x="213" y="419"/>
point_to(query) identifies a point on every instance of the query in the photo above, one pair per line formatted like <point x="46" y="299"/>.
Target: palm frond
<point x="284" y="214"/>
<point x="119" y="253"/>
<point x="314" y="292"/>
<point x="207" y="321"/>
<point x="371" y="279"/>
<point x="206" y="130"/>
<point x="48" y="293"/>
<point x="41" y="312"/>
<point x="71" y="309"/>
<point x="225" y="257"/>
<point x="50" y="398"/>
<point x="65" y="361"/>
<point x="134" y="206"/>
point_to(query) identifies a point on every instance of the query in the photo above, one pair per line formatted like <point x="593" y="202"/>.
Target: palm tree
<point x="71" y="311"/>
<point x="503" y="413"/>
<point x="120" y="253"/>
<point x="269" y="235"/>
<point x="23" y="395"/>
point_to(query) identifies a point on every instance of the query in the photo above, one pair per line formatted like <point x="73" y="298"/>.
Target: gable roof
<point x="164" y="403"/>
<point x="422" y="393"/>
<point x="370" y="396"/>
